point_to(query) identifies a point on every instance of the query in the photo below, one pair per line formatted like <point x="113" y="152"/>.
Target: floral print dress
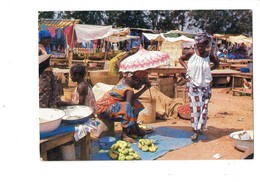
<point x="113" y="106"/>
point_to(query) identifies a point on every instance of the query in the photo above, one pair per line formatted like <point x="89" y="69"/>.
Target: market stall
<point x="63" y="39"/>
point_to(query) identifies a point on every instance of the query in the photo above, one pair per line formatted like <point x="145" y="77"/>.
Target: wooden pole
<point x="150" y="94"/>
<point x="106" y="52"/>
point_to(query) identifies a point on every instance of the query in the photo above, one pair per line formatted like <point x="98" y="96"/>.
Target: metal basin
<point x="76" y="114"/>
<point x="243" y="139"/>
<point x="50" y="119"/>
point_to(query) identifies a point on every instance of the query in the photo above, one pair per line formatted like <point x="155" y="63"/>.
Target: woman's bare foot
<point x="126" y="138"/>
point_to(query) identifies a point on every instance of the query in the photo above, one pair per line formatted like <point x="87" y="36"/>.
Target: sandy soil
<point x="227" y="114"/>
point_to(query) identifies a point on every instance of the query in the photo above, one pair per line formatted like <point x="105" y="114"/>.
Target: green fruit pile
<point x="147" y="145"/>
<point x="122" y="150"/>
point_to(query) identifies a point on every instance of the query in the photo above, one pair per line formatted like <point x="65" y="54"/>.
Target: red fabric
<point x="68" y="32"/>
<point x="52" y="31"/>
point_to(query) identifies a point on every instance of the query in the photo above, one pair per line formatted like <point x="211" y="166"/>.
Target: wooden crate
<point x="181" y="92"/>
<point x="165" y="84"/>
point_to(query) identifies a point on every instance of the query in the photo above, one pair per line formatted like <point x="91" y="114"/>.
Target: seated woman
<point x="83" y="94"/>
<point x="121" y="104"/>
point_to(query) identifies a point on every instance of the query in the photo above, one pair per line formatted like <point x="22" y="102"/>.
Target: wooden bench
<point x="59" y="140"/>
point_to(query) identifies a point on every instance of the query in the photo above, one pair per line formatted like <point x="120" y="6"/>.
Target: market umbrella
<point x="143" y="60"/>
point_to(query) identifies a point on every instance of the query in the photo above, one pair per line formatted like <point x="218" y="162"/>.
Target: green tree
<point x="222" y="21"/>
<point x="131" y="19"/>
<point x="46" y="14"/>
<point x="212" y="21"/>
<point x="86" y="17"/>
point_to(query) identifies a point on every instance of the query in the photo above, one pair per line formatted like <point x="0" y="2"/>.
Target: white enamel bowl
<point x="50" y="119"/>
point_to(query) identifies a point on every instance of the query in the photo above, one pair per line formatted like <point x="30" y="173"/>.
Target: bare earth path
<point x="227" y="114"/>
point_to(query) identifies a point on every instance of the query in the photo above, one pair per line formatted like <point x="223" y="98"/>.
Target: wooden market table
<point x="178" y="70"/>
<point x="238" y="66"/>
<point x="60" y="62"/>
<point x="61" y="139"/>
<point x="87" y="63"/>
<point x="168" y="70"/>
<point x="224" y="65"/>
<point x="242" y="90"/>
<point x="239" y="61"/>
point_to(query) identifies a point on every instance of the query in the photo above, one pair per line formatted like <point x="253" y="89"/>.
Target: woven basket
<point x="184" y="116"/>
<point x="67" y="92"/>
<point x="103" y="76"/>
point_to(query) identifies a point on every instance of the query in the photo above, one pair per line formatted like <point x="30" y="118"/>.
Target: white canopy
<point x="156" y="37"/>
<point x="186" y="41"/>
<point x="121" y="31"/>
<point x="92" y="32"/>
<point x="180" y="38"/>
<point x="114" y="38"/>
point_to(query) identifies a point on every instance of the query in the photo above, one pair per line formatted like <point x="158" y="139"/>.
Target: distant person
<point x="198" y="79"/>
<point x="59" y="40"/>
<point x="114" y="63"/>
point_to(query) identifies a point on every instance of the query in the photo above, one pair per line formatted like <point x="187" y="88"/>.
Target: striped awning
<point x="57" y="23"/>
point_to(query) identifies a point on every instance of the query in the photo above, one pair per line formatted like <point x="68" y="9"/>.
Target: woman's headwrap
<point x="142" y="75"/>
<point x="127" y="74"/>
<point x="203" y="37"/>
<point x="43" y="34"/>
<point x="135" y="44"/>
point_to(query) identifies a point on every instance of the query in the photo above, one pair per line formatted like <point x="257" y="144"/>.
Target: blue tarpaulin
<point x="167" y="139"/>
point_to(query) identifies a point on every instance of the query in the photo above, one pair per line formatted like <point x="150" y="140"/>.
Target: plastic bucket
<point x="148" y="115"/>
<point x="68" y="152"/>
<point x="106" y="142"/>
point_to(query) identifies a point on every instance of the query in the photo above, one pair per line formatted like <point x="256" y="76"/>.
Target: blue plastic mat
<point x="168" y="139"/>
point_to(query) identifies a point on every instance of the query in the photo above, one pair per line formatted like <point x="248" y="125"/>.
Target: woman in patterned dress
<point x="121" y="104"/>
<point x="48" y="87"/>
<point x="198" y="79"/>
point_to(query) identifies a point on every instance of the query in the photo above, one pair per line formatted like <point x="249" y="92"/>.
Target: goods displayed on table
<point x="184" y="111"/>
<point x="58" y="55"/>
<point x="122" y="150"/>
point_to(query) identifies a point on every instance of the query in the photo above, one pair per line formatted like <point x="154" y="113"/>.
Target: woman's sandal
<point x="194" y="136"/>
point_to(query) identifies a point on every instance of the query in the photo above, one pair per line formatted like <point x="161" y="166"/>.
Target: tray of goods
<point x="184" y="111"/>
<point x="76" y="114"/>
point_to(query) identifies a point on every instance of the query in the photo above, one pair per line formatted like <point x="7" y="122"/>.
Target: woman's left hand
<point x="148" y="84"/>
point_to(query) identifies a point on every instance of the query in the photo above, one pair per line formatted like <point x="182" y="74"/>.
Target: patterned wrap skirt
<point x="48" y="90"/>
<point x="120" y="111"/>
<point x="199" y="98"/>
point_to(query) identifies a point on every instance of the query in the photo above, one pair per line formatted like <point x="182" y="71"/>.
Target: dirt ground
<point x="227" y="114"/>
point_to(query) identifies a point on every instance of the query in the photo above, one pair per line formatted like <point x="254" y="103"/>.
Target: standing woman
<point x="48" y="86"/>
<point x="198" y="79"/>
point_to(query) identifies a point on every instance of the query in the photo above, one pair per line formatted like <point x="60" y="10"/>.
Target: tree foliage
<point x="223" y="21"/>
<point x="212" y="21"/>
